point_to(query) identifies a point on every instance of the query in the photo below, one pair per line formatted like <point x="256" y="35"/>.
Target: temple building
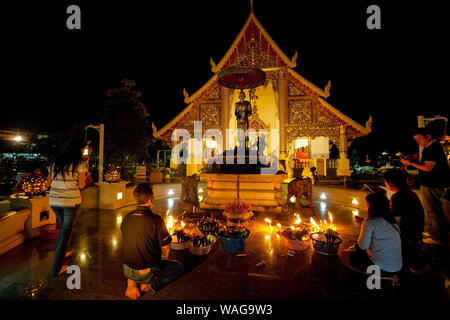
<point x="307" y="124"/>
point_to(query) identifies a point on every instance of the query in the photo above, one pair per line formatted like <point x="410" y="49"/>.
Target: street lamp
<point x="101" y="130"/>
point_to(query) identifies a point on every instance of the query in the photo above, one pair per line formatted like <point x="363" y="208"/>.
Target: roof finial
<point x="251" y="6"/>
<point x="327" y="89"/>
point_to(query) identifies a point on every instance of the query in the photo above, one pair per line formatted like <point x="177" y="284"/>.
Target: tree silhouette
<point x="128" y="129"/>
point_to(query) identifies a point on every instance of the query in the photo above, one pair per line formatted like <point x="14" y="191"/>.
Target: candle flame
<point x="268" y="220"/>
<point x="355" y="202"/>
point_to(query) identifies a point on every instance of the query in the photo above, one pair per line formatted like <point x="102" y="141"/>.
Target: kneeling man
<point x="145" y="238"/>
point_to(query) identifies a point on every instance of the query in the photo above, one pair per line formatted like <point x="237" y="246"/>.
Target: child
<point x="145" y="238"/>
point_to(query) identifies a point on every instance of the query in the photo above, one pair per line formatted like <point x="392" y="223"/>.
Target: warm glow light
<point x="298" y="220"/>
<point x="86" y="152"/>
<point x="169" y="223"/>
<point x="170" y="192"/>
<point x="210" y="143"/>
<point x="323" y="206"/>
<point x="18" y="138"/>
<point x="83" y="256"/>
<point x="114" y="242"/>
<point x="119" y="195"/>
<point x="301" y="143"/>
<point x="355" y="212"/>
<point x="330" y="216"/>
<point x="292" y="199"/>
<point x="267" y="237"/>
<point x="183" y="224"/>
<point x="170" y="203"/>
<point x="268" y="220"/>
<point x="200" y="190"/>
<point x="355" y="202"/>
<point x="119" y="219"/>
<point x="314" y="226"/>
<point x="292" y="227"/>
<point x="323" y="196"/>
<point x="279" y="225"/>
<point x="200" y="198"/>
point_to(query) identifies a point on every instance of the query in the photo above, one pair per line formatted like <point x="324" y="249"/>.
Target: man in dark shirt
<point x="434" y="176"/>
<point x="408" y="211"/>
<point x="145" y="237"/>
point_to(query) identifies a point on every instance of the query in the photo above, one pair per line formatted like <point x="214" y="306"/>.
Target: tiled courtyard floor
<point x="220" y="275"/>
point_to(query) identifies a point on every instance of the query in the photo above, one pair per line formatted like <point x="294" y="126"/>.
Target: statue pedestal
<point x="262" y="192"/>
<point x="344" y="167"/>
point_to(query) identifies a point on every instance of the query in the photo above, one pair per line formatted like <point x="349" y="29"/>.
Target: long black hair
<point x="379" y="207"/>
<point x="69" y="159"/>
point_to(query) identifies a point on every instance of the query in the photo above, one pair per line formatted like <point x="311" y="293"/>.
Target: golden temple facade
<point x="287" y="102"/>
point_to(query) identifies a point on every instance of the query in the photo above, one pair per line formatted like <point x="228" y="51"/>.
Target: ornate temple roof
<point x="275" y="58"/>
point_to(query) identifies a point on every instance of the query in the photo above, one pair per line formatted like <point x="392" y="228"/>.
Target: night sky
<point x="52" y="77"/>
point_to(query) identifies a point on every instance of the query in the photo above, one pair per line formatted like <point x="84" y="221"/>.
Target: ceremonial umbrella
<point x="241" y="77"/>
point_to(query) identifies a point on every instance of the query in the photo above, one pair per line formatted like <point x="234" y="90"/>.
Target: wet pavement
<point x="218" y="276"/>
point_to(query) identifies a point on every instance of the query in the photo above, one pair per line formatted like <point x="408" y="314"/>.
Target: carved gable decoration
<point x="187" y="122"/>
<point x="214" y="95"/>
<point x="322" y="118"/>
<point x="294" y="91"/>
<point x="210" y="114"/>
<point x="300" y="111"/>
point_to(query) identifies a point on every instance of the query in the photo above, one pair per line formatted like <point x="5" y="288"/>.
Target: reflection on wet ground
<point x="97" y="242"/>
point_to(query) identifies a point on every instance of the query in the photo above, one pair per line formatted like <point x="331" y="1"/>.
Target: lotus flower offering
<point x="296" y="238"/>
<point x="234" y="232"/>
<point x="180" y="237"/>
<point x="203" y="240"/>
<point x="237" y="206"/>
<point x="208" y="225"/>
<point x="326" y="242"/>
<point x="300" y="232"/>
<point x="237" y="212"/>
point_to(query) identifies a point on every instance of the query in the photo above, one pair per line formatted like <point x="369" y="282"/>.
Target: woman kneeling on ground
<point x="379" y="239"/>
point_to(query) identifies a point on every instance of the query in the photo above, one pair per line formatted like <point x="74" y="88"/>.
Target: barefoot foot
<point x="133" y="293"/>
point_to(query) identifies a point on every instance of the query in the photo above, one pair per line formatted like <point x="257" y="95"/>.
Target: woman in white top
<point x="380" y="236"/>
<point x="68" y="175"/>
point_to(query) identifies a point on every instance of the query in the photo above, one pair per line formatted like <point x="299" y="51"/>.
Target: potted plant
<point x="237" y="212"/>
<point x="327" y="242"/>
<point x="296" y="238"/>
<point x="233" y="238"/>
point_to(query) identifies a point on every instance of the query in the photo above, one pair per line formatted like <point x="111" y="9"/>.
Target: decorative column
<point x="343" y="162"/>
<point x="225" y="103"/>
<point x="282" y="111"/>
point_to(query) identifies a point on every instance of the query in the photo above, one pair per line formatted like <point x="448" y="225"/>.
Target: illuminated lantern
<point x="34" y="186"/>
<point x="112" y="175"/>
